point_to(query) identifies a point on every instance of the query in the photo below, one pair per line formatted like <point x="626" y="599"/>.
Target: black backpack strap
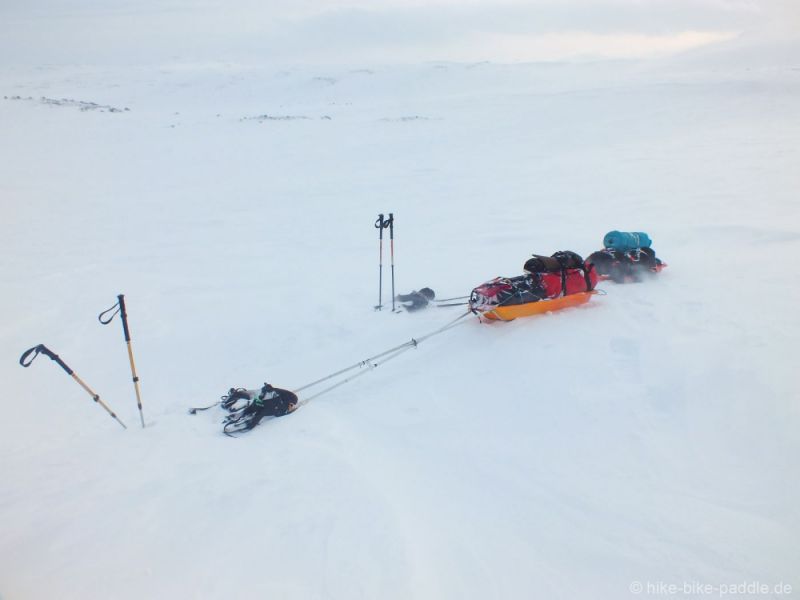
<point x="586" y="269"/>
<point x="562" y="259"/>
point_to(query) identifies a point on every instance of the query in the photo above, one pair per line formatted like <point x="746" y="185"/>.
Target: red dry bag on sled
<point x="547" y="279"/>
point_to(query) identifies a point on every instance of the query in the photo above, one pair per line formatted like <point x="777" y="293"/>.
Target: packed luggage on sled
<point x="626" y="257"/>
<point x="549" y="283"/>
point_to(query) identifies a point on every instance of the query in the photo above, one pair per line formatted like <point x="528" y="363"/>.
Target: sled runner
<point x="509" y="313"/>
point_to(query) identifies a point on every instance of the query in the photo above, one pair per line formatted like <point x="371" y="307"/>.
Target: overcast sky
<point x="382" y="31"/>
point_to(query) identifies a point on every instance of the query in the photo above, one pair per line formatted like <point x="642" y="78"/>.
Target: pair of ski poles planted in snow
<point x="119" y="308"/>
<point x="380" y="225"/>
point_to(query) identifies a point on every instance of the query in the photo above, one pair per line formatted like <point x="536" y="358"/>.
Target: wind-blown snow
<point x="650" y="436"/>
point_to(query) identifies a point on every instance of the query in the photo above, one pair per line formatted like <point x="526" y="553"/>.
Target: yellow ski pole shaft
<point x="119" y="307"/>
<point x="124" y="314"/>
<point x="96" y="398"/>
<point x="42" y="349"/>
<point x="135" y="382"/>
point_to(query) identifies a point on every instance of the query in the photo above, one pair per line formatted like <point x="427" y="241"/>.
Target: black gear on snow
<point x="248" y="408"/>
<point x="416" y="299"/>
<point x="624" y="266"/>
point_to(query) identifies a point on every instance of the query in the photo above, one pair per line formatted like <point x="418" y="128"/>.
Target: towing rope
<point x="370" y="363"/>
<point x="374" y="361"/>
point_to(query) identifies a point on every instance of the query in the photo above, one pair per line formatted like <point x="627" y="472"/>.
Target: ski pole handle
<point x="379" y="222"/>
<point x="42" y="349"/>
<point x="52" y="355"/>
<point x="123" y="313"/>
<point x="118" y="308"/>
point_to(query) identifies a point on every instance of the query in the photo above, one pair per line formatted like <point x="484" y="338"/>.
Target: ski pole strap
<point x="35" y="349"/>
<point x="115" y="309"/>
<point x="42" y="349"/>
<point x="379" y="223"/>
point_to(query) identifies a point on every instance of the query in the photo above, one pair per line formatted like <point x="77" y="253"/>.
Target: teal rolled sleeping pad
<point x="624" y="241"/>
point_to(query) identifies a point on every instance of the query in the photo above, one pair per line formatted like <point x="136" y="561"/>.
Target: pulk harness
<point x="246" y="408"/>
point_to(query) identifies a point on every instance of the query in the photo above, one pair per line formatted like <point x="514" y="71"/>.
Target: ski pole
<point x="391" y="244"/>
<point x="42" y="349"/>
<point x="119" y="307"/>
<point x="380" y="225"/>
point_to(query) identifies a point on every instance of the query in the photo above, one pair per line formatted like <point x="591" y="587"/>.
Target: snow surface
<point x="649" y="436"/>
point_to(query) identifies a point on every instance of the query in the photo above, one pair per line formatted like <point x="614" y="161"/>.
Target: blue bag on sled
<point x="625" y="241"/>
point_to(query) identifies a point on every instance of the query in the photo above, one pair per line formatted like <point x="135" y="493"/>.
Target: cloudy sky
<point x="382" y="31"/>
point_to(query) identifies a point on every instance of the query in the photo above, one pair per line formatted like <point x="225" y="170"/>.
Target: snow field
<point x="649" y="436"/>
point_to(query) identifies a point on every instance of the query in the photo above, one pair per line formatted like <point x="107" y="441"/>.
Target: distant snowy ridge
<point x="82" y="105"/>
<point x="262" y="118"/>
